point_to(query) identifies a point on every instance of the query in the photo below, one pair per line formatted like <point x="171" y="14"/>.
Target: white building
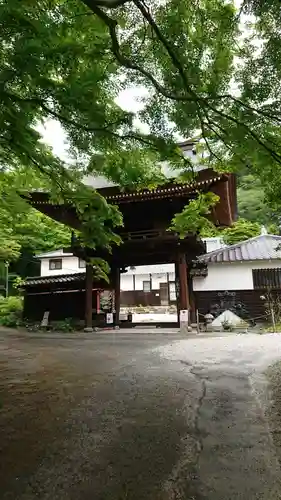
<point x="233" y="267"/>
<point x="153" y="284"/>
<point x="160" y="276"/>
<point x="59" y="262"/>
<point x="239" y="276"/>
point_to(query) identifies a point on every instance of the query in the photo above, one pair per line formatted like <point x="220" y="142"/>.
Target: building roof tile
<point x="61" y="278"/>
<point x="54" y="253"/>
<point x="263" y="247"/>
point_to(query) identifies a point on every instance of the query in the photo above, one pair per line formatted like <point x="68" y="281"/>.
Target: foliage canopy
<point x="23" y="230"/>
<point x="240" y="231"/>
<point x="69" y="61"/>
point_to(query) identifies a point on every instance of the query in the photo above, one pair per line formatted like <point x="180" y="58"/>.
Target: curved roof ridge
<point x="256" y="248"/>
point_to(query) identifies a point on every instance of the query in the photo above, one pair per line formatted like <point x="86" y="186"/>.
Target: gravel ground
<point x="273" y="409"/>
<point x="140" y="416"/>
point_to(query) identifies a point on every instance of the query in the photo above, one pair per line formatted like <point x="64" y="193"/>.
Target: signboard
<point x="109" y="318"/>
<point x="45" y="319"/>
<point x="184" y="316"/>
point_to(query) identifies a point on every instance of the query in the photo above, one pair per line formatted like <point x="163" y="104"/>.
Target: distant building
<point x="154" y="285"/>
<point x="59" y="262"/>
<point x="235" y="277"/>
<point x="239" y="275"/>
<point x="142" y="285"/>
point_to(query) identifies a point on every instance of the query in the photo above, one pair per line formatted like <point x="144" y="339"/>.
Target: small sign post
<point x="184" y="318"/>
<point x="45" y="319"/>
<point x="109" y="318"/>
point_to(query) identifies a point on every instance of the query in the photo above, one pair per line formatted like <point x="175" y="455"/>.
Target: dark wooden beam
<point x="89" y="297"/>
<point x="183" y="284"/>
<point x="163" y="202"/>
<point x="191" y="298"/>
<point x="117" y="295"/>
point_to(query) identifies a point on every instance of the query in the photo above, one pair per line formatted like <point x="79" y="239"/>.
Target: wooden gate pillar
<point x="89" y="298"/>
<point x="182" y="288"/>
<point x="191" y="298"/>
<point x="117" y="296"/>
<point x="177" y="288"/>
<point x="184" y="292"/>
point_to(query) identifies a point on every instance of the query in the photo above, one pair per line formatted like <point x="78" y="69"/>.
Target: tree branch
<point x="85" y="128"/>
<point x="275" y="155"/>
<point x="200" y="101"/>
<point x="112" y="24"/>
<point x="207" y="143"/>
<point x="176" y="62"/>
<point x="248" y="106"/>
<point x="125" y="61"/>
<point x="41" y="169"/>
<point x="197" y="99"/>
<point x="221" y="138"/>
<point x="109" y="4"/>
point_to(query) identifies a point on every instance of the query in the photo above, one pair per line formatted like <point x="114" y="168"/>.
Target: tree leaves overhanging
<point x="69" y="60"/>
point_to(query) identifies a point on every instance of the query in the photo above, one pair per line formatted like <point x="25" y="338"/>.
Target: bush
<point x="66" y="325"/>
<point x="10" y="311"/>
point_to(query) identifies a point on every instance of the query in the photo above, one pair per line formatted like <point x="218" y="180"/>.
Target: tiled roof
<point x="263" y="247"/>
<point x="61" y="278"/>
<point x="162" y="191"/>
<point x="179" y="189"/>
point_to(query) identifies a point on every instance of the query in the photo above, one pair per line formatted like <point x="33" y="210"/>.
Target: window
<point x="146" y="286"/>
<point x="82" y="263"/>
<point x="55" y="264"/>
<point x="267" y="278"/>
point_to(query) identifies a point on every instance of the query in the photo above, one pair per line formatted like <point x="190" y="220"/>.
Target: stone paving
<point x="145" y="415"/>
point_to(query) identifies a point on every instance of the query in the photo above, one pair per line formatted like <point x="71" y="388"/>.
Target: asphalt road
<point x="135" y="416"/>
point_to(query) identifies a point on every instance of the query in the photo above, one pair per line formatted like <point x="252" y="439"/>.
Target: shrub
<point x="10" y="311"/>
<point x="66" y="325"/>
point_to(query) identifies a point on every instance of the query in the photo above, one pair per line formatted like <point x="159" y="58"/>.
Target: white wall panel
<point x="231" y="276"/>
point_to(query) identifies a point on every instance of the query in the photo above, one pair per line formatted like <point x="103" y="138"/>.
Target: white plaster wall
<point x="127" y="283"/>
<point x="161" y="278"/>
<point x="152" y="269"/>
<point x="139" y="279"/>
<point x="213" y="244"/>
<point x="231" y="276"/>
<point x="163" y="269"/>
<point x="70" y="265"/>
